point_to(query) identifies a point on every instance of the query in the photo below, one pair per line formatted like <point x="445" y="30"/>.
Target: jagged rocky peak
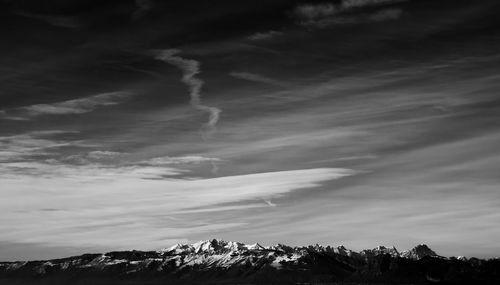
<point x="418" y="252"/>
<point x="281" y="248"/>
<point x="342" y="250"/>
<point x="178" y="248"/>
<point x="209" y="246"/>
<point x="218" y="246"/>
<point x="392" y="251"/>
<point x="255" y="246"/>
<point x="214" y="246"/>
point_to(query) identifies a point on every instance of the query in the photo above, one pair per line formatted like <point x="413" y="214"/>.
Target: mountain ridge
<point x="227" y="262"/>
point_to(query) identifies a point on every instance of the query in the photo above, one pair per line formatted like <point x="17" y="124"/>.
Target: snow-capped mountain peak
<point x="211" y="247"/>
<point x="392" y="251"/>
<point x="418" y="252"/>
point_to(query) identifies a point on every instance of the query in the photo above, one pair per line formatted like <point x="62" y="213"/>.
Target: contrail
<point x="190" y="68"/>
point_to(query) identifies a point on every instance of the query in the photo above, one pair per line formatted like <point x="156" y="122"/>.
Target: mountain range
<point x="225" y="262"/>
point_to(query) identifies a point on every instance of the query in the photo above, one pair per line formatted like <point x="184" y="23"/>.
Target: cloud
<point x="428" y="162"/>
<point x="309" y="12"/>
<point x="77" y="106"/>
<point x="99" y="154"/>
<point x="74" y="106"/>
<point x="166" y="160"/>
<point x="24" y="146"/>
<point x="264" y="36"/>
<point x="115" y="207"/>
<point x="84" y="172"/>
<point x="257" y="78"/>
<point x="327" y="14"/>
<point x="28" y="150"/>
<point x="221" y="208"/>
<point x="268" y="202"/>
<point x="93" y="157"/>
<point x="190" y="68"/>
<point x="4" y="114"/>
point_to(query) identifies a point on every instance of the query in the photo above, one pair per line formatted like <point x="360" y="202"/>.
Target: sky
<point x="142" y="124"/>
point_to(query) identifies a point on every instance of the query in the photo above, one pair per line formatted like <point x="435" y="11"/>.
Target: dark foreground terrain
<point x="220" y="262"/>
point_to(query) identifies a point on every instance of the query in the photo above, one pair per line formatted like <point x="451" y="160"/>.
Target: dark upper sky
<point x="140" y="124"/>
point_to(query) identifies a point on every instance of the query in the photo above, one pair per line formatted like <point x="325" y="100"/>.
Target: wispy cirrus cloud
<point x="316" y="11"/>
<point x="95" y="156"/>
<point x="259" y="36"/>
<point x="77" y="106"/>
<point x="5" y="115"/>
<point x="103" y="154"/>
<point x="183" y="160"/>
<point x="121" y="200"/>
<point x="168" y="160"/>
<point x="378" y="16"/>
<point x="257" y="78"/>
<point x="68" y="107"/>
<point x="30" y="144"/>
<point x="327" y="14"/>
